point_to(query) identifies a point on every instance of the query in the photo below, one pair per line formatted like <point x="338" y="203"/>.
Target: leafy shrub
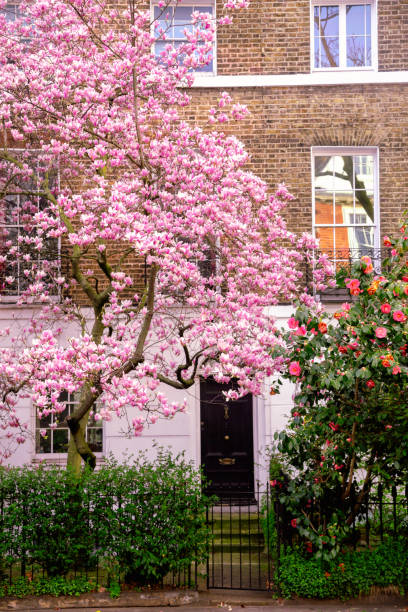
<point x="350" y="575"/>
<point x="47" y="586"/>
<point x="149" y="518"/>
<point x="44" y="519"/>
<point x="140" y="520"/>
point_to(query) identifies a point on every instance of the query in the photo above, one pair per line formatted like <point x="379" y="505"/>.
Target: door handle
<point x="226" y="461"/>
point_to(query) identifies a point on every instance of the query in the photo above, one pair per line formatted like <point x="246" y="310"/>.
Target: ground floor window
<point x="52" y="434"/>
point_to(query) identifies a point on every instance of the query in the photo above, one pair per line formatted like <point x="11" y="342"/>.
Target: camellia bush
<point x="349" y="425"/>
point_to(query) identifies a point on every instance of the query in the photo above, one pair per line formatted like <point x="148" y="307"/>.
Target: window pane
<point x="329" y="21"/>
<point x="364" y="171"/>
<point x="325" y="235"/>
<point x="368" y="19"/>
<point x="326" y="20"/>
<point x="323" y="172"/>
<point x="316" y="20"/>
<point x="324" y="208"/>
<point x="182" y="19"/>
<point x="329" y="52"/>
<point x="344" y="205"/>
<point x="355" y="19"/>
<point x="365" y="205"/>
<point x="356" y="51"/>
<point x="60" y="439"/>
<point x="94" y="439"/>
<point x="359" y="240"/>
<point x="43" y="444"/>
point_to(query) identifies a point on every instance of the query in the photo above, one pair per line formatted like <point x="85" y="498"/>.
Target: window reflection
<point x="344" y="205"/>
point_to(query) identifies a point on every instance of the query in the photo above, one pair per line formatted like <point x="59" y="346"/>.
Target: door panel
<point x="227" y="453"/>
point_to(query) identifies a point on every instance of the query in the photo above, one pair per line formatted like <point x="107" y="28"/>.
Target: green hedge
<point x="139" y="520"/>
<point x="350" y="575"/>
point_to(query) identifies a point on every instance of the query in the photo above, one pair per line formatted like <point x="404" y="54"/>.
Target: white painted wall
<point x="181" y="433"/>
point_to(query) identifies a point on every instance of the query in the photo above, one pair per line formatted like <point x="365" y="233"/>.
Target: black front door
<point x="227" y="451"/>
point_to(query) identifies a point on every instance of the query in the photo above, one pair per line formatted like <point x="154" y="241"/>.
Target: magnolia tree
<point x="349" y="425"/>
<point x="102" y="176"/>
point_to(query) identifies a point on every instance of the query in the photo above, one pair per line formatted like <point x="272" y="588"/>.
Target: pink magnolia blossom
<point x="175" y="200"/>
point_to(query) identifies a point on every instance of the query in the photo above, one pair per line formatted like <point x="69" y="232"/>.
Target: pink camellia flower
<point x="370" y="384"/>
<point x="294" y="368"/>
<point x="292" y="323"/>
<point x="353" y="285"/>
<point x="293" y="522"/>
<point x="396" y="370"/>
<point x="388" y="427"/>
<point x="381" y="332"/>
<point x="386" y="308"/>
<point x="368" y="264"/>
<point x="387" y="241"/>
<point x="399" y="316"/>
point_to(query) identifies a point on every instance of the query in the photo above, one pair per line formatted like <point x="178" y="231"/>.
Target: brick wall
<point x="270" y="37"/>
<point x="392" y="35"/>
<point x="286" y="122"/>
<point x="273" y="37"/>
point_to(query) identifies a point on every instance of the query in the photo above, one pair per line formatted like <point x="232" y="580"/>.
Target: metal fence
<point x="249" y="534"/>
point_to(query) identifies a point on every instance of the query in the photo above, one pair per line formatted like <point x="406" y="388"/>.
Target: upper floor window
<point x="345" y="198"/>
<point x="173" y="21"/>
<point x="21" y="197"/>
<point x="52" y="433"/>
<point x="344" y="34"/>
<point x="11" y="10"/>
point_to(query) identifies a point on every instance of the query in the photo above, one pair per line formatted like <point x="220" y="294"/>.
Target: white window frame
<point x="331" y="151"/>
<point x="342" y="36"/>
<point x="58" y="457"/>
<point x="196" y="3"/>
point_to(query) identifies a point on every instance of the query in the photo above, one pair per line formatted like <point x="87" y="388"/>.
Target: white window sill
<point x="317" y="78"/>
<point x="60" y="459"/>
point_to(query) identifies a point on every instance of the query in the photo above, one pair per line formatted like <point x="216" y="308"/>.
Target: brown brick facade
<point x="286" y="122"/>
<point x="273" y="37"/>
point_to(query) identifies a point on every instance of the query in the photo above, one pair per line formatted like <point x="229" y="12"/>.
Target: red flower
<point x="396" y="370"/>
<point x="387" y="361"/>
<point x="293" y="522"/>
<point x="294" y="368"/>
<point x="333" y="426"/>
<point x="353" y="285"/>
<point x="399" y="316"/>
<point x="370" y="384"/>
<point x="386" y="308"/>
<point x="322" y="327"/>
<point x="309" y="547"/>
<point x="367" y="264"/>
<point x="387" y="241"/>
<point x="343" y="349"/>
<point x="293" y="324"/>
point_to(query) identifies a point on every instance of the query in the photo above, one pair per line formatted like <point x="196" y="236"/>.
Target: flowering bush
<point x="349" y="425"/>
